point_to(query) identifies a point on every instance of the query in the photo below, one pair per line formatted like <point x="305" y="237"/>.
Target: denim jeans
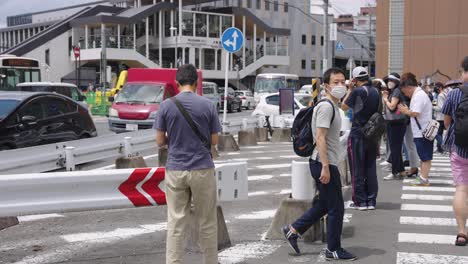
<point x="330" y="202"/>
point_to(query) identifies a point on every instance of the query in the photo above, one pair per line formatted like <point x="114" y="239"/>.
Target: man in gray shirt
<point x="190" y="176"/>
<point x="326" y="126"/>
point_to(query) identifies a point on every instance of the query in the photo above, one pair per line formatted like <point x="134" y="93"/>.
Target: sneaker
<point x="340" y="254"/>
<point x="419" y="181"/>
<point x="392" y="177"/>
<point x="387" y="168"/>
<point x="370" y="207"/>
<point x="385" y="163"/>
<point x="355" y="207"/>
<point x="292" y="238"/>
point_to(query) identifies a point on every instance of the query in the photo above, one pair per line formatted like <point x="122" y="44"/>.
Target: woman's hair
<point x="408" y="79"/>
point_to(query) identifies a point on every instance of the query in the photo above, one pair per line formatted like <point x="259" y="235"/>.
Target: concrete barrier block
<point x="193" y="239"/>
<point x="261" y="133"/>
<point x="247" y="138"/>
<point x="281" y="135"/>
<point x="287" y="213"/>
<point x="227" y="143"/>
<point x="6" y="222"/>
<point x="130" y="162"/>
<point x="162" y="157"/>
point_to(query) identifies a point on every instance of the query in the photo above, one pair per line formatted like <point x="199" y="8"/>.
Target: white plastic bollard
<point x="302" y="184"/>
<point x="245" y="124"/>
<point x="69" y="158"/>
<point x="128" y="152"/>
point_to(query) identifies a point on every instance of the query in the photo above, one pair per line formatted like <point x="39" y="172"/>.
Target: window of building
<point x="267" y="5"/>
<point x="304" y="39"/>
<point x="249" y="3"/>
<point x="275" y="5"/>
<point x="259" y="4"/>
<point x="47" y="56"/>
<point x="321" y="40"/>
<point x="226" y="2"/>
<point x="312" y="65"/>
<point x="286" y="7"/>
<point x="303" y="64"/>
<point x="239" y="3"/>
<point x="313" y="40"/>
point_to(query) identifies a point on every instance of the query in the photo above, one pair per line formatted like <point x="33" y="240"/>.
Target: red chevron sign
<point x="151" y="187"/>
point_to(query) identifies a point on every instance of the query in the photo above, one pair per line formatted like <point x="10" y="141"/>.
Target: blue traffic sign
<point x="339" y="46"/>
<point x="232" y="39"/>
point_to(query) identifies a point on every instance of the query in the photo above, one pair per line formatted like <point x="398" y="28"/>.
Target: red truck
<point x="135" y="106"/>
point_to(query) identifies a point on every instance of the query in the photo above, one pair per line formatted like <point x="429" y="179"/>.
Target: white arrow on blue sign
<point x="232" y="39"/>
<point x="340" y="46"/>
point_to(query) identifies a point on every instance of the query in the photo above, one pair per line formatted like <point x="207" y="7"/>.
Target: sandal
<point x="460" y="243"/>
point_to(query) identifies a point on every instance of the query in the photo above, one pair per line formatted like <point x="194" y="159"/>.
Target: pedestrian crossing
<point x="427" y="222"/>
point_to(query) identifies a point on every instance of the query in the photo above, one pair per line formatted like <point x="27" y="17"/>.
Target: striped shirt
<point x="450" y="107"/>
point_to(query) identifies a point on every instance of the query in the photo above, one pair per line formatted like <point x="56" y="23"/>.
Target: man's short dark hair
<point x="187" y="75"/>
<point x="408" y="79"/>
<point x="329" y="72"/>
<point x="464" y="64"/>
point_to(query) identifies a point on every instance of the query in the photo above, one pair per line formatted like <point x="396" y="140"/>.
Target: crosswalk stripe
<point x="440" y="169"/>
<point x="436" y="174"/>
<point x="428" y="189"/>
<point x="426" y="207"/>
<point x="274" y="166"/>
<point x="425" y="238"/>
<point x="450" y="182"/>
<point x="417" y="258"/>
<point x="426" y="197"/>
<point x="429" y="221"/>
<point x="260" y="177"/>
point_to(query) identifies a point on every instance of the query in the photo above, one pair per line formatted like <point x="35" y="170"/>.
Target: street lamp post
<point x="174" y="29"/>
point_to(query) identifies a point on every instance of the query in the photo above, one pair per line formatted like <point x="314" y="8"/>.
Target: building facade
<point x="426" y="37"/>
<point x="281" y="36"/>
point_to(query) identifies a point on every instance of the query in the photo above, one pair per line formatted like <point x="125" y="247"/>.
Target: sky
<point x="15" y="7"/>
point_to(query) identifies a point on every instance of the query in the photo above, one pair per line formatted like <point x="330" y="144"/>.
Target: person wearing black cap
<point x="362" y="153"/>
<point x="396" y="125"/>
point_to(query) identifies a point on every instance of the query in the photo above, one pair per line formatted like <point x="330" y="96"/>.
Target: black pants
<point x="396" y="135"/>
<point x="330" y="202"/>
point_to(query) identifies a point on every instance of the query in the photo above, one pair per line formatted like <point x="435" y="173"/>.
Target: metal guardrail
<point x="75" y="191"/>
<point x="54" y="156"/>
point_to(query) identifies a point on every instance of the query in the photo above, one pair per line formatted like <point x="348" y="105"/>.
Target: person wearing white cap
<point x="362" y="153"/>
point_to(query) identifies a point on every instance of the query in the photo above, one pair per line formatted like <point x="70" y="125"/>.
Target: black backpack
<point x="301" y="132"/>
<point x="376" y="125"/>
<point x="461" y="120"/>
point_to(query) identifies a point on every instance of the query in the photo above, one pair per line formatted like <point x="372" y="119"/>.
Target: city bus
<point x="267" y="83"/>
<point x="14" y="70"/>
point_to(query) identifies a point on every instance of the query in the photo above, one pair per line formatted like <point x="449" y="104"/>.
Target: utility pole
<point x="370" y="40"/>
<point x="326" y="29"/>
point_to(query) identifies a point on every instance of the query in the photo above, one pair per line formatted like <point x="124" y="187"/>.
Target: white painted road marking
<point x="436" y="181"/>
<point x="426" y="197"/>
<point x="417" y="258"/>
<point x="30" y="218"/>
<point x="265" y="214"/>
<point x="257" y="193"/>
<point x="241" y="252"/>
<point x="429" y="221"/>
<point x="428" y="189"/>
<point x="274" y="166"/>
<point x="260" y="177"/>
<point x="425" y="238"/>
<point x="426" y="207"/>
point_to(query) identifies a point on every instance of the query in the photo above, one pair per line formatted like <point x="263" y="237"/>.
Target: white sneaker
<point x="385" y="163"/>
<point x="355" y="207"/>
<point x="370" y="207"/>
<point x="391" y="177"/>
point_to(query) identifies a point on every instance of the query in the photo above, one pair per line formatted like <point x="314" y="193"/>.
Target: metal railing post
<point x="70" y="158"/>
<point x="128" y="151"/>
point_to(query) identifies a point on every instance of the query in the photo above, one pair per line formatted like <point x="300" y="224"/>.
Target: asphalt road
<point x="411" y="225"/>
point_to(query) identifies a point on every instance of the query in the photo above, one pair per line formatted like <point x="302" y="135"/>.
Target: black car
<point x="233" y="101"/>
<point x="36" y="118"/>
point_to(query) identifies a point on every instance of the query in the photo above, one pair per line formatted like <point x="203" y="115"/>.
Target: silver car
<point x="210" y="91"/>
<point x="248" y="100"/>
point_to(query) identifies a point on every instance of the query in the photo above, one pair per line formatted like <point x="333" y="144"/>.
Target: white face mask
<point x="338" y="91"/>
<point x="391" y="85"/>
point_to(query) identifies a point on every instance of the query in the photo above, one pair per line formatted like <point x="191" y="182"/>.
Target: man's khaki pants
<point x="183" y="188"/>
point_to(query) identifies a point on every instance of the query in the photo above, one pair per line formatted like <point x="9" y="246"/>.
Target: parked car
<point x="306" y="89"/>
<point x="210" y="91"/>
<point x="36" y="118"/>
<point x="269" y="104"/>
<point x="248" y="100"/>
<point x="67" y="89"/>
<point x="233" y="101"/>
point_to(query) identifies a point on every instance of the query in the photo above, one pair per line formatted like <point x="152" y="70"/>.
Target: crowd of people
<point x="415" y="117"/>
